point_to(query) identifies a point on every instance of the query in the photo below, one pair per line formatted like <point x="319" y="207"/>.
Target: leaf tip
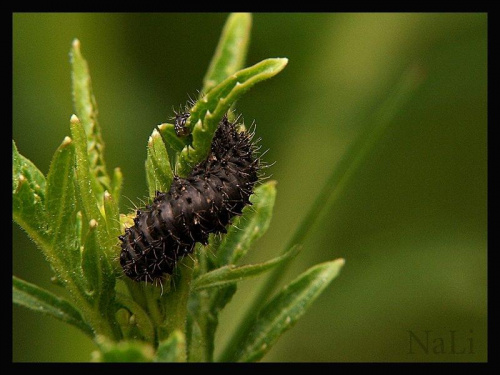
<point x="75" y="50"/>
<point x="281" y="62"/>
<point x="272" y="183"/>
<point x="155" y="134"/>
<point x="107" y="196"/>
<point x="74" y="119"/>
<point x="76" y="44"/>
<point x="339" y="262"/>
<point x="334" y="266"/>
<point x="67" y="141"/>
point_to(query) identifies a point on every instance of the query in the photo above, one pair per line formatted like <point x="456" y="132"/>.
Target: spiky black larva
<point x="180" y="118"/>
<point x="181" y="130"/>
<point x="202" y="203"/>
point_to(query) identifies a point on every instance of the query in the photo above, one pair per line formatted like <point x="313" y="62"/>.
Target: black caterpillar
<point x="180" y="118"/>
<point x="181" y="130"/>
<point x="202" y="203"/>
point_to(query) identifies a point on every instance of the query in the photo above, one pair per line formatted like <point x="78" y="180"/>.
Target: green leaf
<point x="124" y="351"/>
<point x="158" y="172"/>
<point x="209" y="109"/>
<point x="283" y="311"/>
<point x="231" y="274"/>
<point x="97" y="270"/>
<point x="61" y="208"/>
<point x="91" y="262"/>
<point x="231" y="51"/>
<point x="173" y="349"/>
<point x="28" y="196"/>
<point x="250" y="226"/>
<point x="37" y="299"/>
<point x="168" y="133"/>
<point x="84" y="179"/>
<point x="101" y="285"/>
<point x="22" y="165"/>
<point x="86" y="110"/>
<point x="112" y="220"/>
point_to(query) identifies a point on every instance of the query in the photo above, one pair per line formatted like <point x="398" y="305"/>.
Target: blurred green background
<point x="411" y="223"/>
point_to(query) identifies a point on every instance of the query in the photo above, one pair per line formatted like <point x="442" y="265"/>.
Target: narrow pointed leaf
<point x="99" y="249"/>
<point x="84" y="178"/>
<point x="22" y="165"/>
<point x="168" y="133"/>
<point x="86" y="110"/>
<point x="28" y="196"/>
<point x="173" y="349"/>
<point x="61" y="207"/>
<point x="40" y="300"/>
<point x="112" y="221"/>
<point x="158" y="171"/>
<point x="208" y="110"/>
<point x="231" y="51"/>
<point x="250" y="226"/>
<point x="91" y="263"/>
<point x="231" y="274"/>
<point x="283" y="311"/>
<point x="97" y="270"/>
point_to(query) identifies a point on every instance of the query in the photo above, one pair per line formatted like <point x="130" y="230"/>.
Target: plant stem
<point x="332" y="190"/>
<point x="175" y="303"/>
<point x="105" y="326"/>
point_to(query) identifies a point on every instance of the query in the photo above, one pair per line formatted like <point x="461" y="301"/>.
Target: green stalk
<point x="175" y="302"/>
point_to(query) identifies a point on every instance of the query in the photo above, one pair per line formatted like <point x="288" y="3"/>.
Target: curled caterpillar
<point x="204" y="202"/>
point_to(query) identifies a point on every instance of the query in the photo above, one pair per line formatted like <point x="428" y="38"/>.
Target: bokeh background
<point x="411" y="222"/>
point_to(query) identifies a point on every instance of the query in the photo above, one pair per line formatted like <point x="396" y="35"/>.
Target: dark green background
<point x="411" y="223"/>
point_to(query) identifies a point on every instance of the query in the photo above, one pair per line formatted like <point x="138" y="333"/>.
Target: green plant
<point x="72" y="214"/>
